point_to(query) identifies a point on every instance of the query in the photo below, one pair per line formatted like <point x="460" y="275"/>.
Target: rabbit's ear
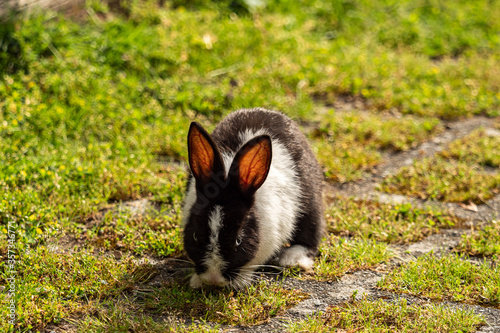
<point x="251" y="164"/>
<point x="204" y="157"/>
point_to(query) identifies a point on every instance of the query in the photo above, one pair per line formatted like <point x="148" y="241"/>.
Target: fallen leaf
<point x="470" y="206"/>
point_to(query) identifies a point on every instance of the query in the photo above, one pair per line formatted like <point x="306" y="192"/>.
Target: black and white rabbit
<point x="257" y="187"/>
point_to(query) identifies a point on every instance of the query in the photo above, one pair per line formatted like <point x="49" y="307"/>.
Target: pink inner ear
<point x="201" y="155"/>
<point x="254" y="165"/>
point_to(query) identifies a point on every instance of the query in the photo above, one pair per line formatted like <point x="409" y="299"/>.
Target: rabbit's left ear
<point x="251" y="164"/>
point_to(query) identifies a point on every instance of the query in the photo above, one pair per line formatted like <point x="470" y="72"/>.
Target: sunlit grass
<point x="383" y="316"/>
<point x="348" y="143"/>
<point x="377" y="131"/>
<point x="151" y="231"/>
<point x="441" y="179"/>
<point x="400" y="223"/>
<point x="451" y="277"/>
<point x="478" y="147"/>
<point x="250" y="306"/>
<point x="339" y="256"/>
<point x="126" y="315"/>
<point x="53" y="192"/>
<point x="483" y="241"/>
<point x="345" y="161"/>
<point x="52" y="286"/>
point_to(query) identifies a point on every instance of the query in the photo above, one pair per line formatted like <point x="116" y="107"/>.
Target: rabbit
<point x="255" y="191"/>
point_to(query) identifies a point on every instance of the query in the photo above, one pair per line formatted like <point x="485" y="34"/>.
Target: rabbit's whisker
<point x="180" y="260"/>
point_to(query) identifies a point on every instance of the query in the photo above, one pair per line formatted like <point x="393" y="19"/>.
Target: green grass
<point x="52" y="286"/>
<point x="441" y="179"/>
<point x="384" y="222"/>
<point x="167" y="308"/>
<point x="343" y="161"/>
<point x="456" y="174"/>
<point x="339" y="256"/>
<point x="478" y="147"/>
<point x="58" y="188"/>
<point x="382" y="316"/>
<point x="251" y="306"/>
<point x="348" y="143"/>
<point x="152" y="231"/>
<point x="451" y="277"/>
<point x="376" y="131"/>
<point x="123" y="315"/>
<point x="483" y="242"/>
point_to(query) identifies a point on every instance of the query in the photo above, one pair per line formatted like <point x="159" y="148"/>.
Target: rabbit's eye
<point x="194" y="237"/>
<point x="238" y="241"/>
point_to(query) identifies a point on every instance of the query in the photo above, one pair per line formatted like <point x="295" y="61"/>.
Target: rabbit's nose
<point x="213" y="278"/>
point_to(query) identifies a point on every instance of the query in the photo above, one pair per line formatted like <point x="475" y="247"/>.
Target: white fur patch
<point x="296" y="256"/>
<point x="195" y="282"/>
<point x="213" y="259"/>
<point x="215" y="223"/>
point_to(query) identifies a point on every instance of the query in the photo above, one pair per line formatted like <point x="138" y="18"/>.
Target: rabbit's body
<point x="234" y="220"/>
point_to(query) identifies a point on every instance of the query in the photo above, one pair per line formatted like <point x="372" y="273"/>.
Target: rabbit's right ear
<point x="251" y="164"/>
<point x="204" y="157"/>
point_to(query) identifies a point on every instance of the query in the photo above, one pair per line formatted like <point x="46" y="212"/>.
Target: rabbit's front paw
<point x="296" y="256"/>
